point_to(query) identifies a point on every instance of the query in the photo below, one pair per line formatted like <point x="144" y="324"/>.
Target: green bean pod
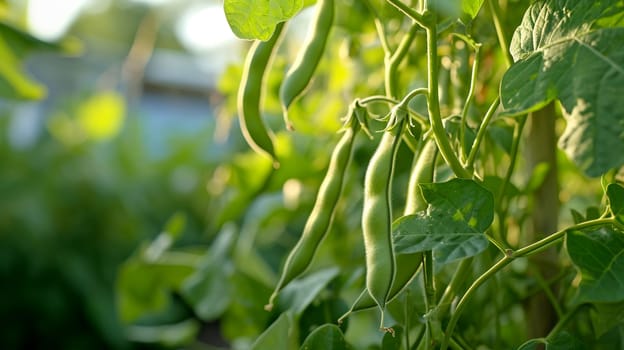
<point x="422" y="172"/>
<point x="300" y="73"/>
<point x="407" y="265"/>
<point x="377" y="213"/>
<point x="320" y="218"/>
<point x="256" y="66"/>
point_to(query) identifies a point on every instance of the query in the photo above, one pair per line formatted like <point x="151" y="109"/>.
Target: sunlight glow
<point x="204" y="28"/>
<point x="49" y="20"/>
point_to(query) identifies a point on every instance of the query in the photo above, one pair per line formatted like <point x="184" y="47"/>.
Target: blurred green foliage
<point x="69" y="215"/>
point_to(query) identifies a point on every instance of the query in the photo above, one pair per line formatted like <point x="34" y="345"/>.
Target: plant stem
<point x="394" y="60"/>
<point x="379" y="27"/>
<point x="508" y="258"/>
<point x="481" y="133"/>
<point x="456" y="281"/>
<point x="409" y="12"/>
<point x="546" y="289"/>
<point x="405" y="101"/>
<point x="429" y="295"/>
<point x="406" y="317"/>
<point x="462" y="302"/>
<point x="545" y="242"/>
<point x="499" y="245"/>
<point x="469" y="97"/>
<point x="521" y="120"/>
<point x="429" y="24"/>
<point x="513" y="156"/>
<point x="419" y="338"/>
<point x="455" y="345"/>
<point x="563" y="321"/>
<point x="500" y="32"/>
<point x="433" y="104"/>
<point x="378" y="98"/>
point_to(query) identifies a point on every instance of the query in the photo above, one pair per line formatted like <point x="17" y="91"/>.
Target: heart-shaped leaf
<point x="453" y="227"/>
<point x="252" y="19"/>
<point x="599" y="255"/>
<point x="565" y="50"/>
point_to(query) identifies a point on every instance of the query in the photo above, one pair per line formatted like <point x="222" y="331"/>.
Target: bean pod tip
<point x="276" y="163"/>
<point x="287" y="122"/>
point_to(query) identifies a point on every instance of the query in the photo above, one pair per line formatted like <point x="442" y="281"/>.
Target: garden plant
<point x="421" y="175"/>
<point x="476" y="95"/>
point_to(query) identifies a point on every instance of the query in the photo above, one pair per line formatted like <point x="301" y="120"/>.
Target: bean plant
<point x="473" y="197"/>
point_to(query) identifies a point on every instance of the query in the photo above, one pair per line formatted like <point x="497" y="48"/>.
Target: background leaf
<point x="464" y="9"/>
<point x="145" y="287"/>
<point x="251" y="19"/>
<point x="599" y="255"/>
<point x="171" y="335"/>
<point x="561" y="341"/>
<point x="471" y="7"/>
<point x="208" y="289"/>
<point x="453" y="227"/>
<point x="605" y="316"/>
<point x="277" y="336"/>
<point x="15" y="45"/>
<point x="326" y="337"/>
<point x="298" y="294"/>
<point x="615" y="193"/>
<point x="562" y="51"/>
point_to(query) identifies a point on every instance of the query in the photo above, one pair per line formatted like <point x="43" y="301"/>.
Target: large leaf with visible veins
<point x="252" y="19"/>
<point x="571" y="50"/>
<point x="599" y="256"/>
<point x="454" y="225"/>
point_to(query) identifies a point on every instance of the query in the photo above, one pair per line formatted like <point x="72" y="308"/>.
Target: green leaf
<point x="453" y="227"/>
<point x="615" y="193"/>
<point x="501" y="134"/>
<point x="22" y="43"/>
<point x="464" y="9"/>
<point x="278" y="336"/>
<point x="605" y="316"/>
<point x="576" y="216"/>
<point x="599" y="256"/>
<point x="173" y="335"/>
<point x="592" y="213"/>
<point x="144" y="287"/>
<point x="471" y="7"/>
<point x="494" y="184"/>
<point x="173" y="230"/>
<point x="14" y="84"/>
<point x="326" y="337"/>
<point x="15" y="45"/>
<point x="300" y="293"/>
<point x="563" y="51"/>
<point x="146" y="280"/>
<point x="327" y="308"/>
<point x="252" y="19"/>
<point x="208" y="290"/>
<point x="561" y="341"/>
<point x="246" y="319"/>
<point x="538" y="176"/>
<point x="175" y="225"/>
<point x="533" y="344"/>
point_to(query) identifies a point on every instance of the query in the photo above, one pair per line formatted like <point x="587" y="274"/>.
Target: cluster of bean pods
<point x="386" y="274"/>
<point x="297" y="78"/>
